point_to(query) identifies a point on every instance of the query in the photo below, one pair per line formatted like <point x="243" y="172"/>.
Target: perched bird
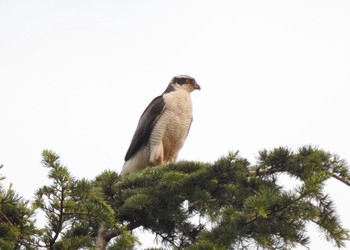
<point x="163" y="127"/>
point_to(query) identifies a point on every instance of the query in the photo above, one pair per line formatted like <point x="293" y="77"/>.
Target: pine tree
<point x="228" y="204"/>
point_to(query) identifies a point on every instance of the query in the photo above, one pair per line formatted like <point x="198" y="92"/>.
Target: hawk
<point x="163" y="127"/>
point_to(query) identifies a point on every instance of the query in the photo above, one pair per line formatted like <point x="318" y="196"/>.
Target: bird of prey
<point x="163" y="127"/>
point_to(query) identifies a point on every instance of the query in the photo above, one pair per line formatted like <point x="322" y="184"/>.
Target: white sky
<point x="76" y="75"/>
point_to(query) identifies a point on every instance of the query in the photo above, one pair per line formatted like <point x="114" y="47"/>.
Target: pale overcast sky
<point x="75" y="77"/>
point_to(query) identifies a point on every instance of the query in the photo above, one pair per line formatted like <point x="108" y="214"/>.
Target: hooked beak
<point x="197" y="86"/>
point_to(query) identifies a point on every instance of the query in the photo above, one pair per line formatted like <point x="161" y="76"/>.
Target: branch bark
<point x="343" y="179"/>
<point x="101" y="242"/>
<point x="104" y="236"/>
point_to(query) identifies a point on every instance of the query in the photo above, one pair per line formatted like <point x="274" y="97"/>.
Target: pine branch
<point x="283" y="160"/>
<point x="284" y="207"/>
<point x="343" y="179"/>
<point x="60" y="219"/>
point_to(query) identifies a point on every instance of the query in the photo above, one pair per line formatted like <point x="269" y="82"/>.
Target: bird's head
<point x="183" y="82"/>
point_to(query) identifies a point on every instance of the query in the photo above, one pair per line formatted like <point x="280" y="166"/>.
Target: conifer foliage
<point x="228" y="204"/>
<point x="16" y="224"/>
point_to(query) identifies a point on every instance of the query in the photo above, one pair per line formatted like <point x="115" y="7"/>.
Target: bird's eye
<point x="188" y="81"/>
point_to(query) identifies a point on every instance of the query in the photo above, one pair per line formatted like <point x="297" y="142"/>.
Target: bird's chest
<point x="173" y="125"/>
<point x="178" y="105"/>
